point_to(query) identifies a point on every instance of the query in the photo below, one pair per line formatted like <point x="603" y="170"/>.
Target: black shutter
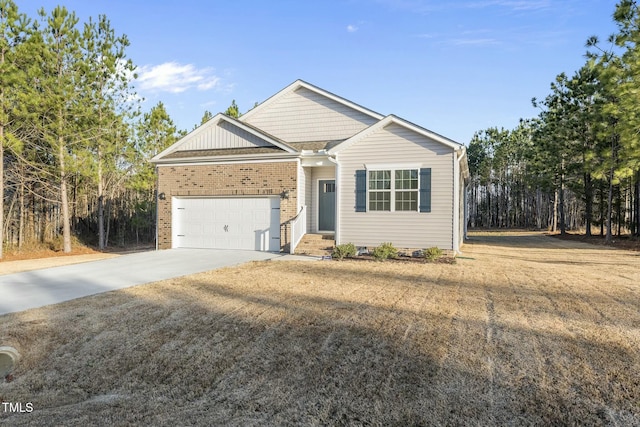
<point x="361" y="190"/>
<point x="425" y="190"/>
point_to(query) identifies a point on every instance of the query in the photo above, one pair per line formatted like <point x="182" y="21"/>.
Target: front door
<point x="327" y="205"/>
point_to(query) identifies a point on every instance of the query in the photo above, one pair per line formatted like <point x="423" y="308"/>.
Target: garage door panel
<point x="227" y="223"/>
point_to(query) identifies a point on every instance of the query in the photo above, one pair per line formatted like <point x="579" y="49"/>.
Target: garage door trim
<point x="223" y="222"/>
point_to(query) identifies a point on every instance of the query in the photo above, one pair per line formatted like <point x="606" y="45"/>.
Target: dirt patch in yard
<point x="626" y="241"/>
<point x="18" y="266"/>
<point x="16" y="262"/>
<point x="524" y="329"/>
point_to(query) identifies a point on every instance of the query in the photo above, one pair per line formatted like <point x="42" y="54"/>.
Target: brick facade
<point x="230" y="180"/>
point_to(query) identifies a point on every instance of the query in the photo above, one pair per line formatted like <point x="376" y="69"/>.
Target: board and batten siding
<point x="222" y="135"/>
<point x="303" y="115"/>
<point x="397" y="145"/>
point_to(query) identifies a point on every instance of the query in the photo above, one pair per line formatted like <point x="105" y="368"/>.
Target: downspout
<point x="456" y="201"/>
<point x="465" y="217"/>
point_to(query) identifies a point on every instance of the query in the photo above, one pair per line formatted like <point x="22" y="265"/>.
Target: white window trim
<point x="392" y="169"/>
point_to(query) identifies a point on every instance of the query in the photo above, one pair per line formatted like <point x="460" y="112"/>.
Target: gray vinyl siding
<point x="221" y="135"/>
<point x="317" y="174"/>
<point x="396" y="145"/>
<point x="303" y="115"/>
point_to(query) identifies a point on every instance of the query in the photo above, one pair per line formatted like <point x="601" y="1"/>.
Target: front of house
<point x="308" y="161"/>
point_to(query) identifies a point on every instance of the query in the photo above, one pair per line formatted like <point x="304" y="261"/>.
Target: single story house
<point x="309" y="161"/>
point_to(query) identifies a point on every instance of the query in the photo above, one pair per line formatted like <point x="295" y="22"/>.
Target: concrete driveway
<point x="22" y="291"/>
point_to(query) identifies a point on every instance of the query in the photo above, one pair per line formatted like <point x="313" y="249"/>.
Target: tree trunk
<point x="602" y="220"/>
<point x="619" y="211"/>
<point x="554" y="224"/>
<point x="108" y="228"/>
<point x="562" y="213"/>
<point x="588" y="199"/>
<point x="64" y="201"/>
<point x="538" y="208"/>
<point x="1" y="188"/>
<point x="609" y="207"/>
<point x="637" y="205"/>
<point x="21" y="216"/>
<point x="2" y="162"/>
<point x="507" y="196"/>
<point x="101" y="236"/>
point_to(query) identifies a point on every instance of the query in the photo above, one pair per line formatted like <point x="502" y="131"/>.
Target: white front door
<point x="226" y="223"/>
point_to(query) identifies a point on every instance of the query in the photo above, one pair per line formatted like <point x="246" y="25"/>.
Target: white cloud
<point x="352" y="28"/>
<point x="428" y="6"/>
<point x="176" y="78"/>
<point x="516" y="5"/>
<point x="475" y="42"/>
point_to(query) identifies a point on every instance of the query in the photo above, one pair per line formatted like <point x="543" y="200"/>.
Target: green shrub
<point x="432" y="254"/>
<point x="385" y="251"/>
<point x="346" y="250"/>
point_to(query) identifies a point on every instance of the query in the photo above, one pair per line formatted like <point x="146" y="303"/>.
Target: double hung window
<point x="393" y="190"/>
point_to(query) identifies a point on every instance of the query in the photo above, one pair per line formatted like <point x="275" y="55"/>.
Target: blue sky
<point x="454" y="67"/>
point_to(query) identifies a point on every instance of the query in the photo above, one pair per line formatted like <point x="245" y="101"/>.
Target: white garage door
<point x="226" y="223"/>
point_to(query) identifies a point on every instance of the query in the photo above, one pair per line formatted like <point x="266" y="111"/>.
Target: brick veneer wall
<point x="241" y="179"/>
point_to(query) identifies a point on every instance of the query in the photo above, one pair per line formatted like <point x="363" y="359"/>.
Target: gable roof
<point x="302" y="84"/>
<point x="224" y="136"/>
<point x="183" y="144"/>
<point x="399" y="121"/>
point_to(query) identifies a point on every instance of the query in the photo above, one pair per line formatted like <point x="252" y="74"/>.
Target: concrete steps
<point x="316" y="244"/>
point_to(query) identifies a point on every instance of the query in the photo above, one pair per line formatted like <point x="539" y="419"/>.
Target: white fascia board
<point x="212" y="160"/>
<point x="401" y="122"/>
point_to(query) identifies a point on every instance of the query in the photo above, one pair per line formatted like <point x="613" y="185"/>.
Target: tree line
<point x="577" y="164"/>
<point x="74" y="143"/>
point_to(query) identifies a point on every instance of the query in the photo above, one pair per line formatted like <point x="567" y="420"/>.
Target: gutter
<point x="220" y="159"/>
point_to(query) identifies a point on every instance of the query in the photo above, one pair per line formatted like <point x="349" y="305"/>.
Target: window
<point x="406" y="190"/>
<point x="380" y="190"/>
<point x="329" y="187"/>
<point x="401" y="192"/>
<point x="393" y="190"/>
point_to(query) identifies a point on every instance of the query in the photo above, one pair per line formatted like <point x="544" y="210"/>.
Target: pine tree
<point x="13" y="33"/>
<point x="107" y="92"/>
<point x="61" y="104"/>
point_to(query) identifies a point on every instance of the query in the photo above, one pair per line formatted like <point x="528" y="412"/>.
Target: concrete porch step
<point x="317" y="236"/>
<point x="316" y="244"/>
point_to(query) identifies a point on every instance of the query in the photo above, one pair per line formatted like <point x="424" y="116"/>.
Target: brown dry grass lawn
<point x="531" y="330"/>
